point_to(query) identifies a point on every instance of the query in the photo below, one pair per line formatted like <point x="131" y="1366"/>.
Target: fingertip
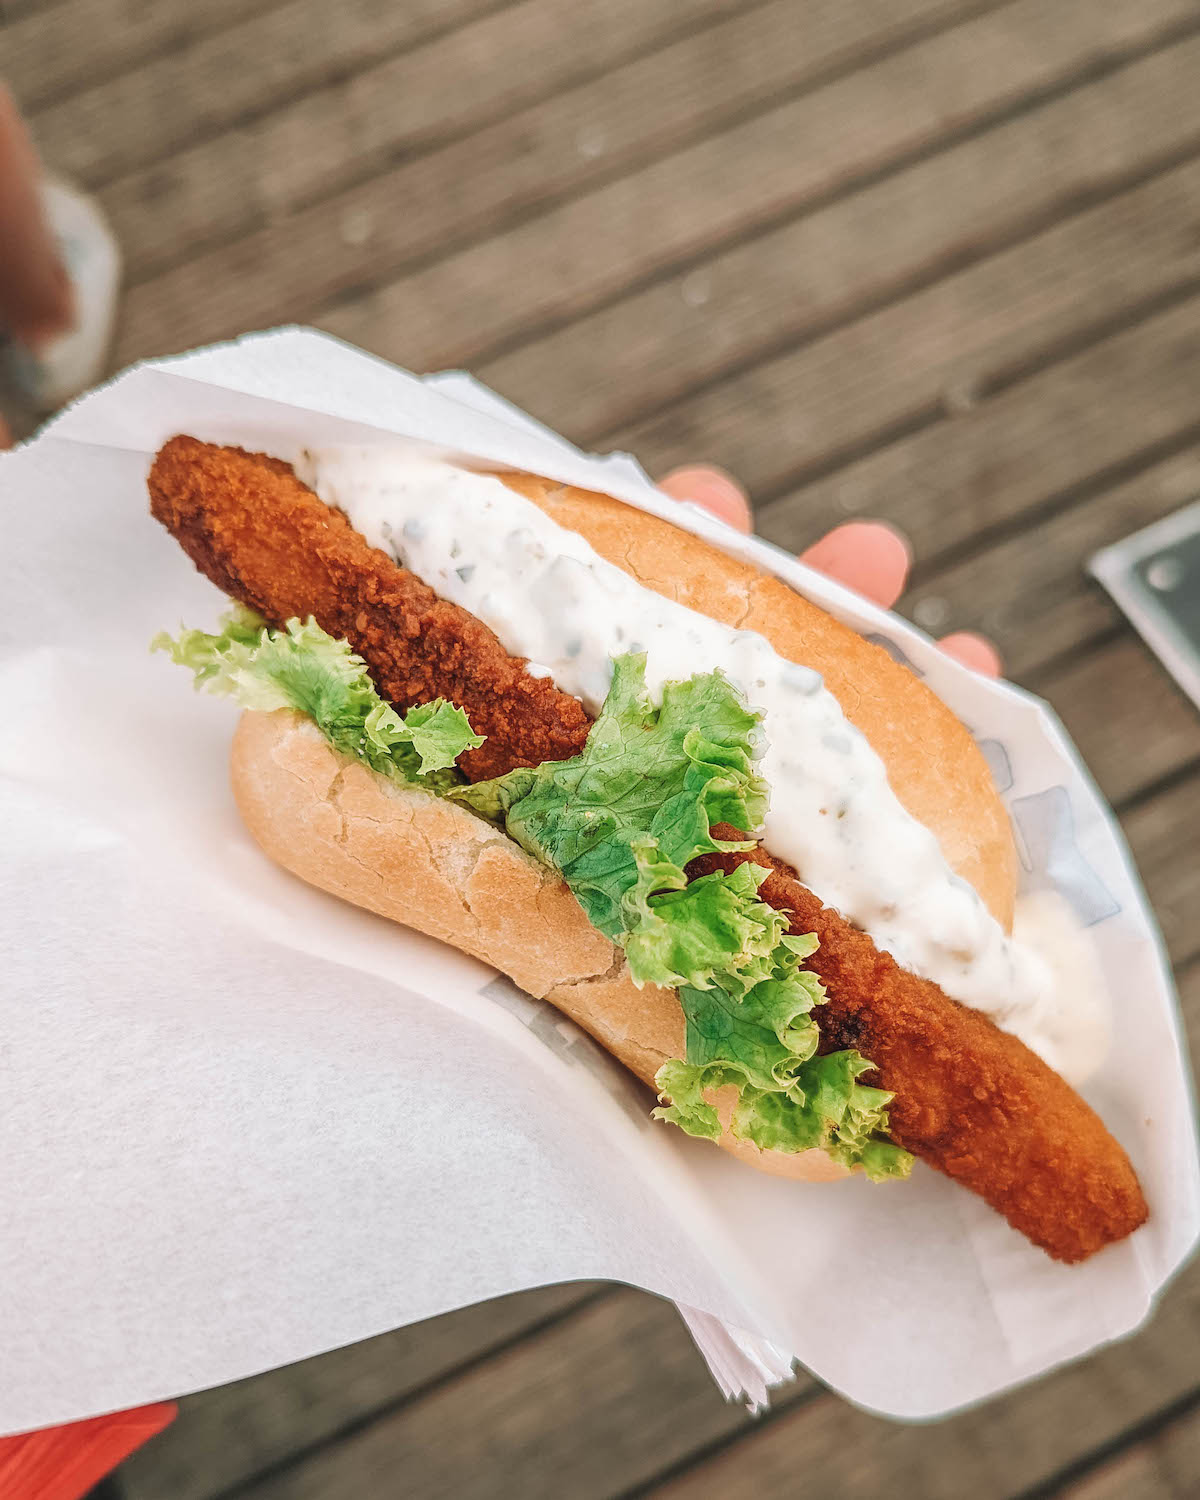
<point x="974" y="651"/>
<point x="871" y="557"/>
<point x="713" y="490"/>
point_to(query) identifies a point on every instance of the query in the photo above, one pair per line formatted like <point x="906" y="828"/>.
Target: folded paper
<point x="243" y="1123"/>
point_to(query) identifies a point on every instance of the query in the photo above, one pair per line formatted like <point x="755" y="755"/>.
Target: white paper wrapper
<point x="242" y="1122"/>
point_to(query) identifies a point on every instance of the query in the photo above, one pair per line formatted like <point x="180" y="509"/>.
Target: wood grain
<point x="240" y="71"/>
<point x="13" y="10"/>
<point x="246" y="1428"/>
<point x="1030" y="592"/>
<point x="997" y="464"/>
<point x="1132" y="1473"/>
<point x="588" y="1409"/>
<point x="1132" y="725"/>
<point x="50" y="49"/>
<point x="427" y="206"/>
<point x="376" y="120"/>
<point x="1164" y="834"/>
<point x="1165" y="1466"/>
<point x="944" y="348"/>
<point x="727" y="312"/>
<point x="998" y="1451"/>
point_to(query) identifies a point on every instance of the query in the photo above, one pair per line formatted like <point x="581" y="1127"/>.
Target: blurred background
<point x="936" y="261"/>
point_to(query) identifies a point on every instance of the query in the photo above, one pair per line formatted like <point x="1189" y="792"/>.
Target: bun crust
<point x="934" y="766"/>
<point x="435" y="866"/>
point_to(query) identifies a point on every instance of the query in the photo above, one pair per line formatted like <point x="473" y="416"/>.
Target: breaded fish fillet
<point x="263" y="537"/>
<point x="970" y="1099"/>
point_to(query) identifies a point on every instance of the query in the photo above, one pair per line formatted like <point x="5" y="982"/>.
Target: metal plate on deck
<point x="1154" y="576"/>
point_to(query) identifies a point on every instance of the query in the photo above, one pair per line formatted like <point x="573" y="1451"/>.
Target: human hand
<point x="867" y="556"/>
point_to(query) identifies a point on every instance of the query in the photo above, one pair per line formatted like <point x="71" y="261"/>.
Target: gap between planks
<point x="1086" y="1480"/>
<point x="951" y="347"/>
<point x="602" y="416"/>
<point x="959" y="486"/>
<point x="844" y="176"/>
<point x="677" y="216"/>
<point x="1030" y="590"/>
<point x="678" y="93"/>
<point x="1060" y="502"/>
<point x="51" y="68"/>
<point x="497" y="56"/>
<point x="843" y="1451"/>
<point x="51" y="50"/>
<point x="248" y="1430"/>
<point x="489" y="86"/>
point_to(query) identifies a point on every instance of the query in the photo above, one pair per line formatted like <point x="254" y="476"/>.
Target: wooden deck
<point x="933" y="260"/>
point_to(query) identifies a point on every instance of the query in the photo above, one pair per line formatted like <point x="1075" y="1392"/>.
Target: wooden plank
<point x="1163" y="1467"/>
<point x="268" y="167"/>
<point x="15" y="10"/>
<point x="592" y="247"/>
<point x="1132" y="725"/>
<point x="956" y="484"/>
<point x="991" y="1453"/>
<point x="460" y="190"/>
<point x="225" y="1436"/>
<point x="244" y="70"/>
<point x="1177" y="1449"/>
<point x="966" y="333"/>
<point x="1030" y="592"/>
<point x="730" y="310"/>
<point x="1164" y="834"/>
<point x="586" y="1409"/>
<point x="1134" y="1473"/>
<point x="1188" y="980"/>
<point x="49" y="49"/>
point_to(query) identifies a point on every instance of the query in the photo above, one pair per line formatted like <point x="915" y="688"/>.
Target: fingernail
<point x="974" y="651"/>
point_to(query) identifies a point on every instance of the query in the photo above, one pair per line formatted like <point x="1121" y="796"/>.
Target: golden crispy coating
<point x="971" y="1100"/>
<point x="249" y="524"/>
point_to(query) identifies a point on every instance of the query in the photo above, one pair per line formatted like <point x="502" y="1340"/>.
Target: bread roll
<point x="934" y="766"/>
<point x="437" y="867"/>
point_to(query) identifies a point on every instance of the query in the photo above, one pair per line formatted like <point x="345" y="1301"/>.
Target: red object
<point x="63" y="1463"/>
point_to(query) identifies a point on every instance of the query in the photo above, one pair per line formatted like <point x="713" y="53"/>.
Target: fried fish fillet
<point x="266" y="539"/>
<point x="970" y="1099"/>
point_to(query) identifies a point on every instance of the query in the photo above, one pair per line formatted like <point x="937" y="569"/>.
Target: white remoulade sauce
<point x="550" y="597"/>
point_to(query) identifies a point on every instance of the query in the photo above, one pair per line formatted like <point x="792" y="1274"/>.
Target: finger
<point x="973" y="651"/>
<point x="35" y="290"/>
<point x="868" y="556"/>
<point x="713" y="490"/>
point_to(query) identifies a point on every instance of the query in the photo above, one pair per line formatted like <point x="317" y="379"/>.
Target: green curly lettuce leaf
<point x="621" y="822"/>
<point x="301" y="667"/>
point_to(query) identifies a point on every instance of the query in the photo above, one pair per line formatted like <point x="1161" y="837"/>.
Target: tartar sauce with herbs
<point x="550" y="597"/>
